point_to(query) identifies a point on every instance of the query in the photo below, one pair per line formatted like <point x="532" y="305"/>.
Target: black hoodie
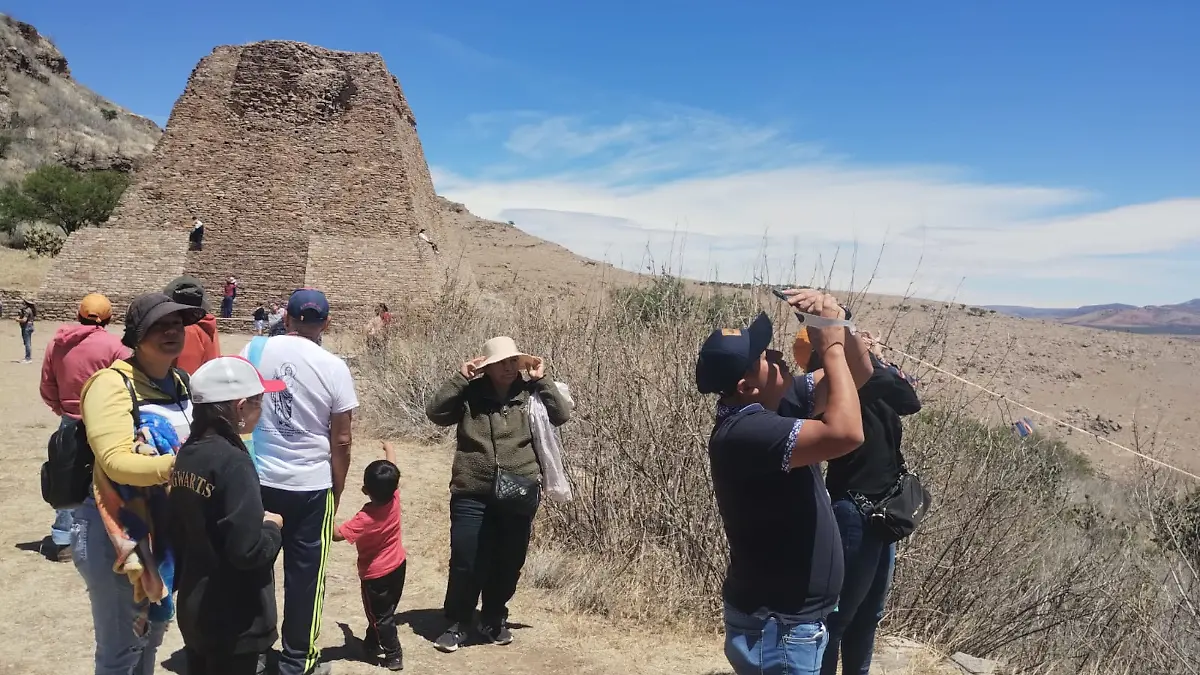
<point x="224" y="551"/>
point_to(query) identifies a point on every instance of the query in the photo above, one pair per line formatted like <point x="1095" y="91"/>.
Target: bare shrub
<point x="1015" y="561"/>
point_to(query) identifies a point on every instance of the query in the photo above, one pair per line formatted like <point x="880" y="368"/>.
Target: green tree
<point x="63" y="197"/>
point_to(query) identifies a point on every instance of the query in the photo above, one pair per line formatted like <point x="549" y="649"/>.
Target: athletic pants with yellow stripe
<point x="307" y="534"/>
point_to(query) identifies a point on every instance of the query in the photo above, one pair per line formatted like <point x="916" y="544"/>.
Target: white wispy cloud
<point x="716" y="196"/>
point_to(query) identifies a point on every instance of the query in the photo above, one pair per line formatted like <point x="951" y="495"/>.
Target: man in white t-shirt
<point x="302" y="448"/>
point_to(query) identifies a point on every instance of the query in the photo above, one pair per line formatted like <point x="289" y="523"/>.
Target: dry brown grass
<point x="1026" y="557"/>
<point x="19" y="271"/>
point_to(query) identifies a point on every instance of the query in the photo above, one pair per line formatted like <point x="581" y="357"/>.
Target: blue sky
<point x="1016" y="152"/>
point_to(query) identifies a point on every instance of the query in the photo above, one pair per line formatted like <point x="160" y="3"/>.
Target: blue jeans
<point x="27" y="338"/>
<point x="119" y="651"/>
<point x="869" y="564"/>
<point x="60" y="531"/>
<point x="226" y="308"/>
<point x="771" y="645"/>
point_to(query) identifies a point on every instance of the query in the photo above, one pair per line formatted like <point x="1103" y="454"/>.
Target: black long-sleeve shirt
<point x="873" y="468"/>
<point x="224" y="551"/>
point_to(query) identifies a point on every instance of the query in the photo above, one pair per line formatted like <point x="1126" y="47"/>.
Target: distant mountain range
<point x="1181" y="319"/>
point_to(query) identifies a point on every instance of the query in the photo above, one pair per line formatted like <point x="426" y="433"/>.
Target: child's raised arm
<point x="389" y="452"/>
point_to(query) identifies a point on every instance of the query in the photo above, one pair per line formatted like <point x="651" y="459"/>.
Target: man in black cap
<point x="201" y="343"/>
<point x="302" y="449"/>
<point x="785" y="569"/>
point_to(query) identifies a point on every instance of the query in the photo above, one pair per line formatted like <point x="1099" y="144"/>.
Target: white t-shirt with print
<point x="291" y="441"/>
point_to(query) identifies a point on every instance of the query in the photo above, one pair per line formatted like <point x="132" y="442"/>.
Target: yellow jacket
<point x="108" y="417"/>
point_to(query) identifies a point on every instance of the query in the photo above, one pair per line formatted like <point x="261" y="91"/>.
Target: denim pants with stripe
<point x="769" y="644"/>
<point x="307" y="534"/>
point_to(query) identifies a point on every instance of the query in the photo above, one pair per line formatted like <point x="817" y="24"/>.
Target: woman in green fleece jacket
<point x="489" y="401"/>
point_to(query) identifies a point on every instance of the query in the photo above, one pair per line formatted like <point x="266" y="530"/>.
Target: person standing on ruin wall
<point x="425" y="238"/>
<point x="302" y="444"/>
<point x="196" y="237"/>
<point x="231" y="289"/>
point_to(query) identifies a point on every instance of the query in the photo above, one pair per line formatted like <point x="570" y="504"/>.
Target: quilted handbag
<point x="516" y="493"/>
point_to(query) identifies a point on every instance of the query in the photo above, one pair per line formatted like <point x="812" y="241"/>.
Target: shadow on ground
<point x="431" y="622"/>
<point x="29" y="546"/>
<point x="176" y="663"/>
<point x="351" y="648"/>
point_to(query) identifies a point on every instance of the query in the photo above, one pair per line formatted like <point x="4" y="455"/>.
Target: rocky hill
<point x="46" y="116"/>
<point x="505" y="258"/>
<point x="1180" y="319"/>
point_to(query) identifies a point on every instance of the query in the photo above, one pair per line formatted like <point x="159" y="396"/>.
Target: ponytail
<point x="216" y="418"/>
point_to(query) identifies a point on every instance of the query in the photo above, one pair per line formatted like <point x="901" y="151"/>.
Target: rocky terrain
<point x="46" y="116"/>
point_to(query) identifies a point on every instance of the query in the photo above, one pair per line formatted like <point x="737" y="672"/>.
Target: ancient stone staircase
<point x="269" y="265"/>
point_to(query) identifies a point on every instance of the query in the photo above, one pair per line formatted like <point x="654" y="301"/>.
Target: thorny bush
<point x="1021" y="557"/>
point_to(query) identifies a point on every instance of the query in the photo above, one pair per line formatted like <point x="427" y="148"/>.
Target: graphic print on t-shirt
<point x="285" y="401"/>
<point x="291" y="440"/>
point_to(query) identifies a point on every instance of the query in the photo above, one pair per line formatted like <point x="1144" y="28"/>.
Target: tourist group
<point x="179" y="476"/>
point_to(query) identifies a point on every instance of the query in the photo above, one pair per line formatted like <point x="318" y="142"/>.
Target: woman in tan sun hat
<point x="494" y="484"/>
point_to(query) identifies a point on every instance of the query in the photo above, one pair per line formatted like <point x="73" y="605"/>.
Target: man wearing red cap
<point x="75" y="353"/>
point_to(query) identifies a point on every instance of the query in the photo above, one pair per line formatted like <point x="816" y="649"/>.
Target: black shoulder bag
<point x="67" y="471"/>
<point x="898" y="513"/>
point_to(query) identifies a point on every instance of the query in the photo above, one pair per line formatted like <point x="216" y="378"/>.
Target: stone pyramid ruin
<point x="304" y="165"/>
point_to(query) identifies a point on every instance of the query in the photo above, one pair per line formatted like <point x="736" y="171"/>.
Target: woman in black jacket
<point x="225" y="544"/>
<point x="869" y="472"/>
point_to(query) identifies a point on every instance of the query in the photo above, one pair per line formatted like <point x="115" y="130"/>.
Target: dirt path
<point x="47" y="626"/>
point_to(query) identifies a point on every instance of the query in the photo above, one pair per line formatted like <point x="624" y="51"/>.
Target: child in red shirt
<point x="375" y="531"/>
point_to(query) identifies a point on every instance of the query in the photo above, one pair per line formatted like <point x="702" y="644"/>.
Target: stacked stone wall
<point x="305" y="167"/>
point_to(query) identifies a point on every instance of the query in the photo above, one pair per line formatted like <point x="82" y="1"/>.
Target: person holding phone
<point x="786" y="567"/>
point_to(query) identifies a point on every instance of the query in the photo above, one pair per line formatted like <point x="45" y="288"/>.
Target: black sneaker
<point x="394" y="661"/>
<point x="497" y="634"/>
<point x="451" y="640"/>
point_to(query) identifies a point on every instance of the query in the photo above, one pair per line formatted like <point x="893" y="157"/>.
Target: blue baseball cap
<point x="308" y="305"/>
<point x="728" y="354"/>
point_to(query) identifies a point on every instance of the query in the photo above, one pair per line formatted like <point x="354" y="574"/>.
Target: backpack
<point x="67" y="471"/>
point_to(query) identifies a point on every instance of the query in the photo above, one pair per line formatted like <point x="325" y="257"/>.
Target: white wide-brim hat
<point x="501" y="348"/>
<point x="230" y="378"/>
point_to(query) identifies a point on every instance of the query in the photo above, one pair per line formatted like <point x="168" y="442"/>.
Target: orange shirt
<point x="200" y="345"/>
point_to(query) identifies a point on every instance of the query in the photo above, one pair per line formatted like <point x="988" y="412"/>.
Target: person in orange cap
<point x="74" y="354"/>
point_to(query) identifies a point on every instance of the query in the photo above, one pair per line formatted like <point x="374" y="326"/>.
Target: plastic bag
<point x="549" y="448"/>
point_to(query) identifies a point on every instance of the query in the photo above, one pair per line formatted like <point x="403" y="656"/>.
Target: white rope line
<point x="1042" y="414"/>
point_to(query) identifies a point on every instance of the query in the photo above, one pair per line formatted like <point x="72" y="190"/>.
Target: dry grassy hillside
<point x="506" y="259"/>
<point x="46" y="116"/>
<point x="1137" y="390"/>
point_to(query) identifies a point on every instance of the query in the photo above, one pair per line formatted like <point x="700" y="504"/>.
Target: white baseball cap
<point x="230" y="378"/>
